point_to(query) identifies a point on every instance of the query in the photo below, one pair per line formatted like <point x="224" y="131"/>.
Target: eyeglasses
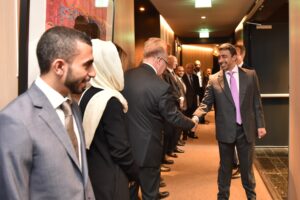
<point x="164" y="60"/>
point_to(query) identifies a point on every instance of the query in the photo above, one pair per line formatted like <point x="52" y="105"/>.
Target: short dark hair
<point x="59" y="42"/>
<point x="229" y="47"/>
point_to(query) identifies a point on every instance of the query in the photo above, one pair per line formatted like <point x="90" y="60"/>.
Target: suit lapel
<point x="50" y="117"/>
<point x="78" y="119"/>
<point x="224" y="85"/>
<point x="243" y="86"/>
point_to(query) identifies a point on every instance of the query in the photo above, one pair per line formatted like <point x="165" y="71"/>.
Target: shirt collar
<point x="235" y="69"/>
<point x="170" y="70"/>
<point x="55" y="98"/>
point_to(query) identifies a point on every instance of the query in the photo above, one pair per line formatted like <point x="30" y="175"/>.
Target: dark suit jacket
<point x="150" y="103"/>
<point x="110" y="158"/>
<point x="192" y="90"/>
<point x="218" y="93"/>
<point x="37" y="159"/>
<point x="169" y="78"/>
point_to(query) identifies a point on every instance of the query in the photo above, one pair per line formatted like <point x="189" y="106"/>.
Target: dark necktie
<point x="191" y="79"/>
<point x="66" y="107"/>
<point x="235" y="96"/>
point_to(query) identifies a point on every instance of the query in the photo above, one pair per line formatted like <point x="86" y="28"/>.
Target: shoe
<point x="180" y="143"/>
<point x="162" y="195"/>
<point x="162" y="184"/>
<point x="174" y="155"/>
<point x="193" y="136"/>
<point x="164" y="168"/>
<point x="168" y="162"/>
<point x="236" y="173"/>
<point x="177" y="150"/>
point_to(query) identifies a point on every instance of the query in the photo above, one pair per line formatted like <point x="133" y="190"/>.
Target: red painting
<point x="64" y="13"/>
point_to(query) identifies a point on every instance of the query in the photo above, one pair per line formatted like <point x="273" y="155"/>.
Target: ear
<point x="59" y="67"/>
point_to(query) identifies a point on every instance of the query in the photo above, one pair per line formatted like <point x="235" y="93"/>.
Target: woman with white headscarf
<point x="110" y="160"/>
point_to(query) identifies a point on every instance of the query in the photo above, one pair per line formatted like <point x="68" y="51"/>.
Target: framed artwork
<point x="94" y="17"/>
<point x="83" y="14"/>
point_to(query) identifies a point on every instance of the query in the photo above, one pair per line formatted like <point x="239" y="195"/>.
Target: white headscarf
<point x="110" y="78"/>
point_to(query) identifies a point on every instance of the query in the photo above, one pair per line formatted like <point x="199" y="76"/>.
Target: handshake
<point x="195" y="119"/>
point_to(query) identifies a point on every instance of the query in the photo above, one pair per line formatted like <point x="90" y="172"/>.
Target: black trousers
<point x="149" y="179"/>
<point x="245" y="154"/>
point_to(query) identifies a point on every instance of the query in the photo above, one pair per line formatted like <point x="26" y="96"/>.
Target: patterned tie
<point x="235" y="96"/>
<point x="66" y="107"/>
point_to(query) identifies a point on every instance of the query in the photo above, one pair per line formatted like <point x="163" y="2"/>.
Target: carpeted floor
<point x="272" y="164"/>
<point x="193" y="176"/>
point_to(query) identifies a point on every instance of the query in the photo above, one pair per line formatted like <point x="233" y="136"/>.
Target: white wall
<point x="37" y="26"/>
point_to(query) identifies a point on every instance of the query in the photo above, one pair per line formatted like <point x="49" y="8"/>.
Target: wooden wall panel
<point x="9" y="23"/>
<point x="294" y="139"/>
<point x="124" y="29"/>
<point x="204" y="53"/>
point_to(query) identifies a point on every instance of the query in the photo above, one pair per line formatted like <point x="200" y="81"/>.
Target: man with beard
<point x="42" y="148"/>
<point x="239" y="117"/>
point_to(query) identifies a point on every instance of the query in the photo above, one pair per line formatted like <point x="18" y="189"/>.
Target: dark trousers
<point x="149" y="179"/>
<point x="245" y="154"/>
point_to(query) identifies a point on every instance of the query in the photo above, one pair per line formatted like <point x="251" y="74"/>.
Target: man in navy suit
<point x="38" y="158"/>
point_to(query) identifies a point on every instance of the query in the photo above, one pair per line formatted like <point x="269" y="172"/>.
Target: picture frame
<point x="36" y="16"/>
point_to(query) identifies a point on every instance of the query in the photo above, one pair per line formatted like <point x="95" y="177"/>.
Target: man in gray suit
<point x="38" y="160"/>
<point x="239" y="118"/>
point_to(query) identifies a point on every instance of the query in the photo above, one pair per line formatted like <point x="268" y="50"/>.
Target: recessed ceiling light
<point x="203" y="17"/>
<point x="142" y="9"/>
<point x="202" y="3"/>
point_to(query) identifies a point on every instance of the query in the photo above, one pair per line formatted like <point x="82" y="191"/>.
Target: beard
<point x="76" y="86"/>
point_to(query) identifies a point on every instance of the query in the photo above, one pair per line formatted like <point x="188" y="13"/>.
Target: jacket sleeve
<point x="170" y="112"/>
<point x="259" y="114"/>
<point x="15" y="159"/>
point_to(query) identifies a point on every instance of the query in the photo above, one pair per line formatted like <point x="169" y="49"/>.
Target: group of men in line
<point x="39" y="159"/>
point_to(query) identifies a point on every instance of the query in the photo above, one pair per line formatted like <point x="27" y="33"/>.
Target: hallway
<point x="193" y="176"/>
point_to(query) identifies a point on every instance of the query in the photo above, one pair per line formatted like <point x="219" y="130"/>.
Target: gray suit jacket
<point x="37" y="160"/>
<point x="218" y="93"/>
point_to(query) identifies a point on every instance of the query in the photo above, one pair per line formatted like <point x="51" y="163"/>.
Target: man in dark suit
<point x="191" y="82"/>
<point x="172" y="133"/>
<point x="40" y="158"/>
<point x="150" y="103"/>
<point x="239" y="118"/>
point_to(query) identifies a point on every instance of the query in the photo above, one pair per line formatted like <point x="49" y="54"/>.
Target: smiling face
<point x="226" y="60"/>
<point x="180" y="71"/>
<point x="80" y="70"/>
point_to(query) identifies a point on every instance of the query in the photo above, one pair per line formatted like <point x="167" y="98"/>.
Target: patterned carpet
<point x="272" y="164"/>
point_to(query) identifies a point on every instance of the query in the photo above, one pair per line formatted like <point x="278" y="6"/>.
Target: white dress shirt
<point x="56" y="99"/>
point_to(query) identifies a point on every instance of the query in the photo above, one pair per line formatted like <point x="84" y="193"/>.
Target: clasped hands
<point x="195" y="119"/>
